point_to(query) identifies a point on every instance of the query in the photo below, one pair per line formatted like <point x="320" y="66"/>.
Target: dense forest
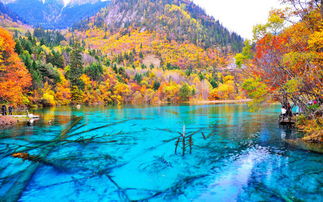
<point x="175" y="53"/>
<point x="65" y="72"/>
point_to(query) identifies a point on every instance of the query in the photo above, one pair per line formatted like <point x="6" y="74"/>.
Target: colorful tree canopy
<point x="288" y="60"/>
<point x="14" y="77"/>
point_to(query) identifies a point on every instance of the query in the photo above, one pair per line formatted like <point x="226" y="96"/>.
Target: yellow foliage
<point x="48" y="95"/>
<point x="85" y="79"/>
<point x="121" y="92"/>
<point x="313" y="129"/>
<point x="49" y="98"/>
<point x="137" y="98"/>
<point x="214" y="94"/>
<point x="228" y="78"/>
<point x="179" y="54"/>
<point x="316" y="40"/>
<point x="63" y="92"/>
<point x="46" y="49"/>
<point x="225" y="90"/>
<point x="170" y="91"/>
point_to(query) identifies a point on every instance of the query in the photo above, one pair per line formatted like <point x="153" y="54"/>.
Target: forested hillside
<point x="180" y="20"/>
<point x="139" y="51"/>
<point x="11" y="21"/>
<point x="5" y="11"/>
<point x="65" y="72"/>
<point x="174" y="34"/>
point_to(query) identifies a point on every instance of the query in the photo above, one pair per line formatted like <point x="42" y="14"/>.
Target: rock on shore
<point x="7" y="121"/>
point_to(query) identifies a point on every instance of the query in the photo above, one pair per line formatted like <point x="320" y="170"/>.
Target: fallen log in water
<point x="37" y="159"/>
<point x="45" y="143"/>
<point x="14" y="193"/>
<point x="100" y="127"/>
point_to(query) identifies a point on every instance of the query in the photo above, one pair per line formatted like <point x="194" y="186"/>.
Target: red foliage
<point x="269" y="52"/>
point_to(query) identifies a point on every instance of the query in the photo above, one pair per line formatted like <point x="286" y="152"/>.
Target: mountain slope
<point x="74" y="13"/>
<point x="54" y="14"/>
<point x="81" y="2"/>
<point x="181" y="20"/>
<point x="11" y="21"/>
<point x="5" y="11"/>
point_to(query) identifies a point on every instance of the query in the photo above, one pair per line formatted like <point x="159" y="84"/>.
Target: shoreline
<point x="13" y="120"/>
<point x="220" y="101"/>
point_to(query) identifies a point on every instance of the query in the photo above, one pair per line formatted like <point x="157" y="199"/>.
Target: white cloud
<point x="239" y="15"/>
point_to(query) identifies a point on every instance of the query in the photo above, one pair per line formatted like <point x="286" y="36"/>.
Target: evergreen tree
<point x="18" y="47"/>
<point x="138" y="78"/>
<point x="76" y="67"/>
<point x="94" y="71"/>
<point x="185" y="92"/>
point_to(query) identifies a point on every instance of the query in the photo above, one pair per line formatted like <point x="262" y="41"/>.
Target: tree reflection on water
<point x="130" y="154"/>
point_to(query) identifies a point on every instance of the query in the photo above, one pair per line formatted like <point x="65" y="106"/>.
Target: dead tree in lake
<point x="186" y="140"/>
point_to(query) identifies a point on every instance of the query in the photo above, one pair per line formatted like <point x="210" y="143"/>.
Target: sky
<point x="239" y="15"/>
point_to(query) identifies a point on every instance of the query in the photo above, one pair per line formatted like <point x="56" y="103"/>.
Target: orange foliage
<point x="63" y="92"/>
<point x="14" y="77"/>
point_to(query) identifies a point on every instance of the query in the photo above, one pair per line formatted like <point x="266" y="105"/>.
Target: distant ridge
<point x="180" y="20"/>
<point x="6" y="12"/>
<point x="54" y="14"/>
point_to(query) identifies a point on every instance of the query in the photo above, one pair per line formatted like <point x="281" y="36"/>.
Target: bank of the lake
<point x="220" y="101"/>
<point x="14" y="120"/>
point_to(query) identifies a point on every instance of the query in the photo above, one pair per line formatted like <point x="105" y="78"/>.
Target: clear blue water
<point x="128" y="153"/>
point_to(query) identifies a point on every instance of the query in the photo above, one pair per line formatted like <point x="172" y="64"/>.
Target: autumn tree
<point x="288" y="60"/>
<point x="14" y="77"/>
<point x="245" y="55"/>
<point x="257" y="91"/>
<point x="302" y="8"/>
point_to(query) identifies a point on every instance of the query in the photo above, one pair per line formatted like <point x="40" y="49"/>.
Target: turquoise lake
<point x="128" y="153"/>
